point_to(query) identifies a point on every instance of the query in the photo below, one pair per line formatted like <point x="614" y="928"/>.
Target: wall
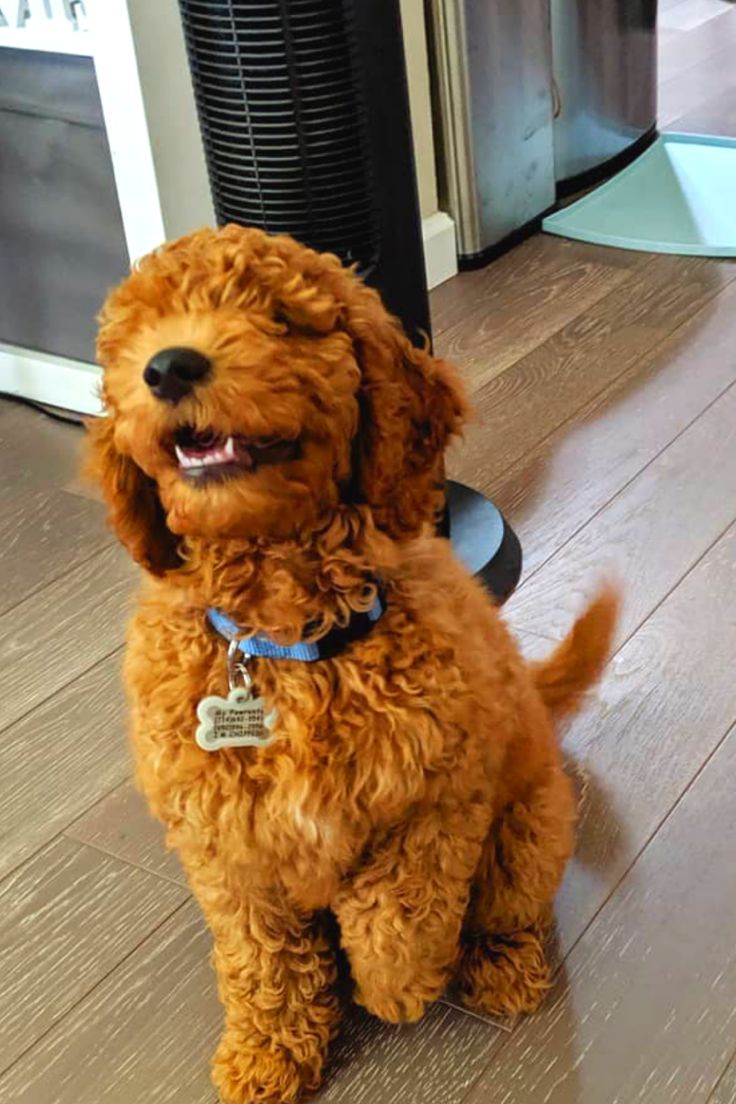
<point x="438" y="229"/>
<point x="415" y="46"/>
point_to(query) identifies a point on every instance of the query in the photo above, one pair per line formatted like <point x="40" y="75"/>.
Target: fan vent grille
<point x="281" y="120"/>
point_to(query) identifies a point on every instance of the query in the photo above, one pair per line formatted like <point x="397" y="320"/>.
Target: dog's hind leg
<point x="503" y="968"/>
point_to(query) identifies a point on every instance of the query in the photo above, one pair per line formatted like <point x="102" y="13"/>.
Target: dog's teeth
<point x="216" y="454"/>
<point x="184" y="460"/>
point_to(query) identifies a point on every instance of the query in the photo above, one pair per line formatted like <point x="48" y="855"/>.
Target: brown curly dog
<point x="271" y="451"/>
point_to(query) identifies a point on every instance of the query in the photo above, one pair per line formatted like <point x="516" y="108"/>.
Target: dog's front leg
<point x="401" y="914"/>
<point x="275" y="972"/>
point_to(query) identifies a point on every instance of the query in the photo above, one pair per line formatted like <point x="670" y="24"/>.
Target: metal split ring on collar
<point x="238" y="674"/>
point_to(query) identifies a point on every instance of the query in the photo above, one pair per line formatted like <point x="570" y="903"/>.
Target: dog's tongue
<point x="243" y="455"/>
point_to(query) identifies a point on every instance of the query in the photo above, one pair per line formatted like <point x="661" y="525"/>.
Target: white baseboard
<point x="55" y="380"/>
<point x="440" y="251"/>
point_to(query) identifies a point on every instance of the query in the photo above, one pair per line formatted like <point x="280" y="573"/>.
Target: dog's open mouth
<point x="205" y="455"/>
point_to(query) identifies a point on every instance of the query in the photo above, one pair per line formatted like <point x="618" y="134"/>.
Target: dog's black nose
<point x="172" y="373"/>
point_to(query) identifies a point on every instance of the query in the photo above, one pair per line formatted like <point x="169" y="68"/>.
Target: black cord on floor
<point x="50" y="411"/>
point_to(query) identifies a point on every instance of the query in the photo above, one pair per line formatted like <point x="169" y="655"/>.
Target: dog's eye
<point x="298" y="327"/>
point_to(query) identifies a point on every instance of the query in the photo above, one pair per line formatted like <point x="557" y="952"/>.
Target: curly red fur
<point x="415" y="787"/>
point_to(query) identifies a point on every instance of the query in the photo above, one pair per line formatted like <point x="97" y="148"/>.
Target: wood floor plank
<point x="42" y="535"/>
<point x="539" y="267"/>
<point x="533" y="645"/>
<point x="59" y="759"/>
<point x="146" y="1033"/>
<point x="121" y="825"/>
<point x="529" y="401"/>
<point x="36" y="453"/>
<point x="68" y="918"/>
<point x="558" y="486"/>
<point x="80" y="487"/>
<point x="665" y="701"/>
<point x="716" y="76"/>
<point x="692" y="15"/>
<point x="436" y="1059"/>
<point x="62" y="630"/>
<point x="716" y="115"/>
<point x="681" y="49"/>
<point x="646" y="1009"/>
<point x="725" y="1090"/>
<point x="502" y="317"/>
<point x="649" y="536"/>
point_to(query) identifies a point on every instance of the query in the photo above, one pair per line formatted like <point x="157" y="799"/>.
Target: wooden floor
<point x="697" y="74"/>
<point x="605" y="385"/>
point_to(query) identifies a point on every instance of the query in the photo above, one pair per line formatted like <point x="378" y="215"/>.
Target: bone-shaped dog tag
<point x="239" y="720"/>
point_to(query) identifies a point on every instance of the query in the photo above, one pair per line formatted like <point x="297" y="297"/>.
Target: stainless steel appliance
<point x="604" y="60"/>
<point x="493" y="73"/>
<point x="531" y="96"/>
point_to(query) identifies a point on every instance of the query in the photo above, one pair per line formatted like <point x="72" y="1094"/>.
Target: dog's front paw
<point x="392" y="1008"/>
<point x="246" y="1073"/>
<point x="394" y="1003"/>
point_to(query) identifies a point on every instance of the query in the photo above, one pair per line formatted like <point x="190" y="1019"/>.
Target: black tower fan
<point x="304" y="113"/>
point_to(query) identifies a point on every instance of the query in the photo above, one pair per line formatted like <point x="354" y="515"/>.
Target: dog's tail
<point x="578" y="661"/>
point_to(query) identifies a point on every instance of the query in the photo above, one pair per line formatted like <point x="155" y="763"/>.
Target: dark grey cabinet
<point x="61" y="234"/>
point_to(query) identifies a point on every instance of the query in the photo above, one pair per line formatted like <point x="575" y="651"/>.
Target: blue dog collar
<point x="328" y="646"/>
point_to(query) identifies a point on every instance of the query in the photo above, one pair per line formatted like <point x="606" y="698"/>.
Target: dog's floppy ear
<point x="134" y="510"/>
<point x="411" y="405"/>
